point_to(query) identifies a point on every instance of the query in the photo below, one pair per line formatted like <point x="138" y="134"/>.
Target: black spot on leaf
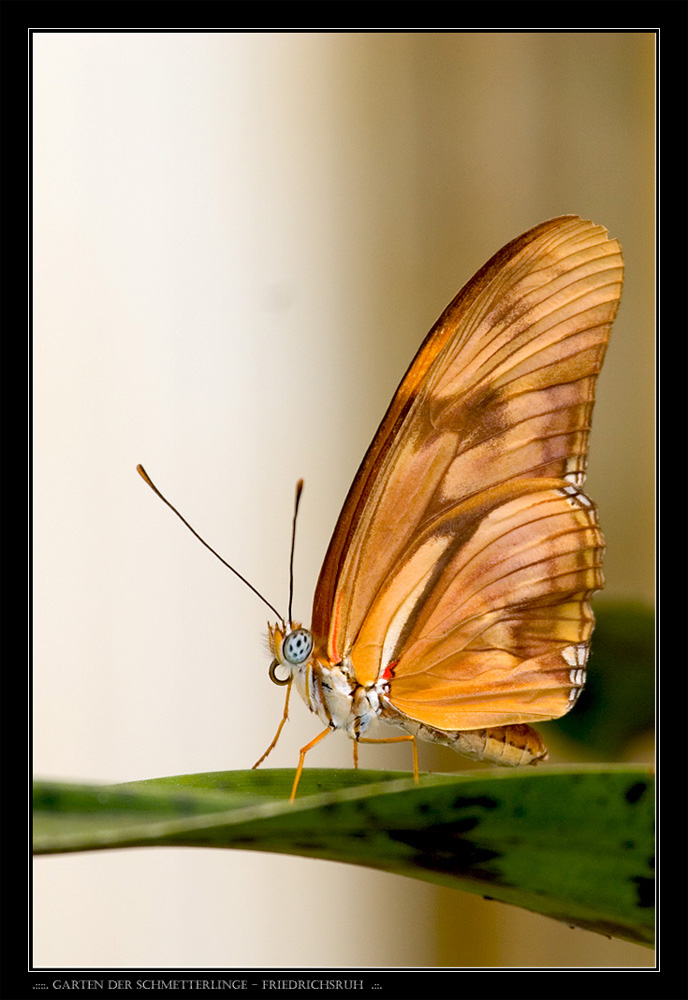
<point x="645" y="889"/>
<point x="635" y="792"/>
<point x="445" y="848"/>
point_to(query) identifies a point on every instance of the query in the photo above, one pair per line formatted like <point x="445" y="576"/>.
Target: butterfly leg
<point x="302" y="756"/>
<point x="392" y="739"/>
<point x="285" y="716"/>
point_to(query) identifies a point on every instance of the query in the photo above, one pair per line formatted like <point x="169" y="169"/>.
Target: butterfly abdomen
<point x="510" y="746"/>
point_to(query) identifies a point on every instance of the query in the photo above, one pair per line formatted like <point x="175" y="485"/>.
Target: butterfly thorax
<point x="330" y="690"/>
<point x="335" y="697"/>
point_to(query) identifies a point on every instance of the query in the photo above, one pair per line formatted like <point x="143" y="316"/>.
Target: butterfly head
<point x="290" y="647"/>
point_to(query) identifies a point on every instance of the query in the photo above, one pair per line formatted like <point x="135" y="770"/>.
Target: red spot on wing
<point x="388" y="672"/>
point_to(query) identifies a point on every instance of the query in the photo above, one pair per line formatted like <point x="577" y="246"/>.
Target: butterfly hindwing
<point x="504" y="614"/>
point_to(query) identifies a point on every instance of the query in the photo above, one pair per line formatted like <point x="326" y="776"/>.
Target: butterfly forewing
<point x="463" y="561"/>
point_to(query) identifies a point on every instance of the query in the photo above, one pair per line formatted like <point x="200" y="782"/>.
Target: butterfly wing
<point x="463" y="560"/>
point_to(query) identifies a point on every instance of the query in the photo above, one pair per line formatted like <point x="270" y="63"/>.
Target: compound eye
<point x="297" y="646"/>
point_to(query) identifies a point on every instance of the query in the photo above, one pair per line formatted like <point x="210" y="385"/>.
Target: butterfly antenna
<point x="144" y="475"/>
<point x="297" y="501"/>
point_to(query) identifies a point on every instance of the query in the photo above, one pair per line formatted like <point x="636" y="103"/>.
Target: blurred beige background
<point x="239" y="243"/>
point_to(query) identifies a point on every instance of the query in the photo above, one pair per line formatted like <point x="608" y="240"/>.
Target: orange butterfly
<point x="454" y="599"/>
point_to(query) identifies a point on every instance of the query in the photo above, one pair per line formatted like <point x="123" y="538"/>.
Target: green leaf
<point x="573" y="843"/>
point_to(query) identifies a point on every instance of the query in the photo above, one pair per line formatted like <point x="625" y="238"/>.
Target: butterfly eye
<point x="297" y="646"/>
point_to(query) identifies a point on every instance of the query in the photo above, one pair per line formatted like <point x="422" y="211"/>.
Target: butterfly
<point x="454" y="598"/>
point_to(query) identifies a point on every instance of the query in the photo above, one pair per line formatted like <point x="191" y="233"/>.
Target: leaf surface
<point x="572" y="843"/>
